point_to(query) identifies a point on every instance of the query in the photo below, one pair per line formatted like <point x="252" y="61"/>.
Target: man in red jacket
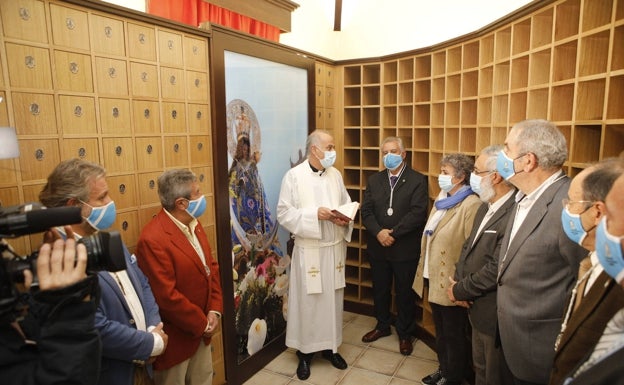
<point x="174" y="253"/>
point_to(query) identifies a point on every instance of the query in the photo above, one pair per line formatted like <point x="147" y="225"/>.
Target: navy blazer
<point x="122" y="343"/>
<point x="477" y="268"/>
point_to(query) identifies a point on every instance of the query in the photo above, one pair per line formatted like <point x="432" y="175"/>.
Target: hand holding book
<point x="346" y="212"/>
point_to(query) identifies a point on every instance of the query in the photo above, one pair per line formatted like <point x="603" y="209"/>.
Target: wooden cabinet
<point x="73" y="71"/>
<point x="24" y="20"/>
<point x="34" y="113"/>
<point x="141" y="42"/>
<point x="29" y="66"/>
<point x="77" y="115"/>
<point x="112" y="86"/>
<point x="70" y="27"/>
<point x="558" y="60"/>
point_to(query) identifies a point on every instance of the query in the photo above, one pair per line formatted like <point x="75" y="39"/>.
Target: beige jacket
<point x="446" y="245"/>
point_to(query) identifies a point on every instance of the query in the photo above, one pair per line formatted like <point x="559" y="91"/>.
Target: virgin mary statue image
<point x="259" y="267"/>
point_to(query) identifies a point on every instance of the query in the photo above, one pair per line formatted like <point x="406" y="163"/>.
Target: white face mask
<point x="445" y="182"/>
<point x="482" y="186"/>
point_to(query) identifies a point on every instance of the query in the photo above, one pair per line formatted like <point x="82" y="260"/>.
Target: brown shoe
<point x="375" y="334"/>
<point x="406" y="347"/>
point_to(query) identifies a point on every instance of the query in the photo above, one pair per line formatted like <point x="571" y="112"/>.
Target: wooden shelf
<point x="561" y="62"/>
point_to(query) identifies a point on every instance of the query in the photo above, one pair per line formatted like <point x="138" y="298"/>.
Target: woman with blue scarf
<point x="449" y="225"/>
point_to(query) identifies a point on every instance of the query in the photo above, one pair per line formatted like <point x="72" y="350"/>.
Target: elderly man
<point x="476" y="270"/>
<point x="538" y="263"/>
<point x="603" y="366"/>
<point x="394" y="212"/>
<point x="595" y="297"/>
<point x="308" y="194"/>
<point x="173" y="251"/>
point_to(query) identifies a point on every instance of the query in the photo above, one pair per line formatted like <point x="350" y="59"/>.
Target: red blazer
<point x="184" y="291"/>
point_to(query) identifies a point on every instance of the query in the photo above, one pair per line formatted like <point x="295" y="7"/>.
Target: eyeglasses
<point x="567" y="203"/>
<point x="476" y="172"/>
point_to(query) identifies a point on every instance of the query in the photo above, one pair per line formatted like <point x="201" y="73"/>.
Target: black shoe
<point x="303" y="369"/>
<point x="336" y="359"/>
<point x="433" y="378"/>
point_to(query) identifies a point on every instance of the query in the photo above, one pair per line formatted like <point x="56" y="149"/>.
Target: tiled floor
<point x="377" y="363"/>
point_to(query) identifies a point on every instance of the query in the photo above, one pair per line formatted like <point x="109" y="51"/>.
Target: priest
<point x="309" y="193"/>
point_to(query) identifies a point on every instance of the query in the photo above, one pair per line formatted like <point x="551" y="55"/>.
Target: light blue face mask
<point x="505" y="165"/>
<point x="445" y="182"/>
<point x="329" y="159"/>
<point x="197" y="207"/>
<point x="475" y="183"/>
<point x="573" y="226"/>
<point x="102" y="217"/>
<point x="609" y="251"/>
<point x="392" y="161"/>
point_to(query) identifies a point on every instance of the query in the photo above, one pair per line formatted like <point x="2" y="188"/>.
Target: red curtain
<point x="194" y="12"/>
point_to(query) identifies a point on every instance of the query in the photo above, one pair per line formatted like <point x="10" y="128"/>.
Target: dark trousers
<point x="451" y="342"/>
<point x="488" y="360"/>
<point x="383" y="272"/>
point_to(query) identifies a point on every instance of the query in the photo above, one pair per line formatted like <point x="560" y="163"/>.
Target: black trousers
<point x="452" y="346"/>
<point x="383" y="273"/>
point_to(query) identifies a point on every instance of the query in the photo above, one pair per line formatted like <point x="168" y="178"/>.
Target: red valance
<point x="195" y="12"/>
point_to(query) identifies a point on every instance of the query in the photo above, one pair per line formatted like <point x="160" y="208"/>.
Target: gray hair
<point x="543" y="139"/>
<point x="598" y="182"/>
<point x="492" y="155"/>
<point x="70" y="179"/>
<point x="463" y="165"/>
<point x="314" y="139"/>
<point x="174" y="184"/>
<point x="394" y="139"/>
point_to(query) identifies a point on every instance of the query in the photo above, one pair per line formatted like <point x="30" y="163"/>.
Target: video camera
<point x="104" y="249"/>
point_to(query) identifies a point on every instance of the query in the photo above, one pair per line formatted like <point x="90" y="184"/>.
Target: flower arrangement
<point x="260" y="296"/>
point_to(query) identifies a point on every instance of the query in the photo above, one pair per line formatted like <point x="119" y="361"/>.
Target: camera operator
<point x="127" y="316"/>
<point x="56" y="341"/>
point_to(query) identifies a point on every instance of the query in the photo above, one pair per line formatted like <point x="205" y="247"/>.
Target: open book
<point x="347" y="211"/>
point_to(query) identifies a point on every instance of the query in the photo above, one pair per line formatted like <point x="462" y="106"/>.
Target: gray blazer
<point x="477" y="267"/>
<point x="534" y="281"/>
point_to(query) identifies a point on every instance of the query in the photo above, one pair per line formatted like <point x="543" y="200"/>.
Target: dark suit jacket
<point x="122" y="343"/>
<point x="586" y="325"/>
<point x="184" y="291"/>
<point x="477" y="267"/>
<point x="409" y="202"/>
<point x="534" y="280"/>
<point x="609" y="371"/>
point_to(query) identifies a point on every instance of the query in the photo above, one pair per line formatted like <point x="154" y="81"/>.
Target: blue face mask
<point x="505" y="165"/>
<point x="197" y="207"/>
<point x="445" y="182"/>
<point x="102" y="217"/>
<point x="609" y="251"/>
<point x="573" y="226"/>
<point x="329" y="159"/>
<point x="392" y="161"/>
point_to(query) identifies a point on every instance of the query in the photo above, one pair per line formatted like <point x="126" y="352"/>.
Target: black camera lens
<point x="104" y="251"/>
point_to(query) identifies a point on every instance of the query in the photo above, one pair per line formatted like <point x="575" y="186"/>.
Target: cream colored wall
<point x="380" y="27"/>
<point x="137" y="5"/>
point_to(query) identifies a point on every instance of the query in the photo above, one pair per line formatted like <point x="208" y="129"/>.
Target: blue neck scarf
<point x="453" y="200"/>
